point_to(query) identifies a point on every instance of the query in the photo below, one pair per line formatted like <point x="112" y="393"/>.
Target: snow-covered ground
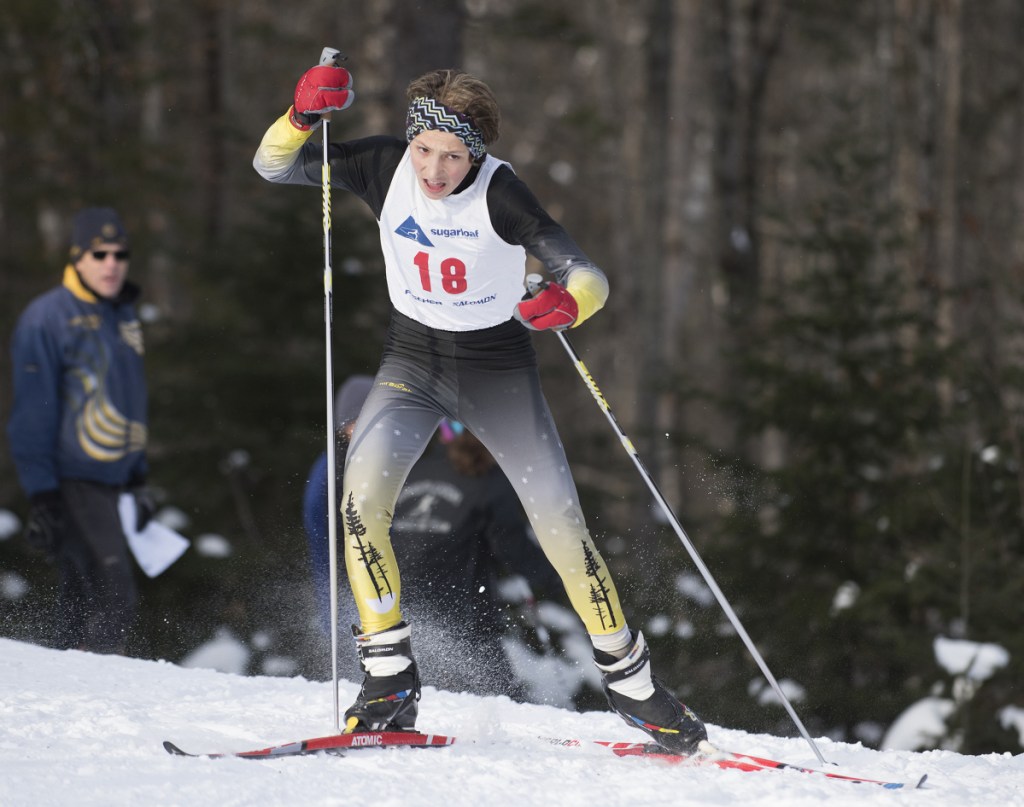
<point x="80" y="729"/>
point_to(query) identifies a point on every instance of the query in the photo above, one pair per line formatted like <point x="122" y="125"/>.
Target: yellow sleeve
<point x="590" y="290"/>
<point x="279" y="148"/>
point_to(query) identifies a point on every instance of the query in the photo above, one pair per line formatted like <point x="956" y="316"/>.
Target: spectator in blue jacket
<point x="77" y="431"/>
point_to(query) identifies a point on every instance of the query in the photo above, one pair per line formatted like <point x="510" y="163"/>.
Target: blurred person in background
<point x="78" y="431"/>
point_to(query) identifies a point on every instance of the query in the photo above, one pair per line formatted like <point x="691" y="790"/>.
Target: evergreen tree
<point x="832" y="558"/>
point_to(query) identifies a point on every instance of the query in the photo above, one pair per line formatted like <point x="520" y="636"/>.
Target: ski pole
<point x="330" y="57"/>
<point x="534" y="283"/>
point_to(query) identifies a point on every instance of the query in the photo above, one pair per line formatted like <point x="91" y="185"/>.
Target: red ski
<point x="710" y="755"/>
<point x="332" y="744"/>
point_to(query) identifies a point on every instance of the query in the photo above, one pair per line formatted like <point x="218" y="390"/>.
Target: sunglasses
<point x="119" y="254"/>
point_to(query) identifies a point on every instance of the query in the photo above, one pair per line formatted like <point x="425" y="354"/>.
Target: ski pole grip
<point x="535" y="284"/>
<point x="331" y="57"/>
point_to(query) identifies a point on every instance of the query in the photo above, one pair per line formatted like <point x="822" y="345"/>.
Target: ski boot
<point x="644" y="703"/>
<point x="388" y="699"/>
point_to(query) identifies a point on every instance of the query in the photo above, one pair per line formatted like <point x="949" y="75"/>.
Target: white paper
<point x="157" y="546"/>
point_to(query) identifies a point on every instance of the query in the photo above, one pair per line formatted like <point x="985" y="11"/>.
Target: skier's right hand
<point x="46" y="521"/>
<point x="321" y="89"/>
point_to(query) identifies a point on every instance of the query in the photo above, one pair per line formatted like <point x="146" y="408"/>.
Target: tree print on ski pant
<point x="374" y="562"/>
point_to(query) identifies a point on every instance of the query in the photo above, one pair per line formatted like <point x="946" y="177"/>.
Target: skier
<point x="456" y="225"/>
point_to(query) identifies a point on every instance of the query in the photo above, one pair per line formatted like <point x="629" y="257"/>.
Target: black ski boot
<point x="388" y="699"/>
<point x="670" y="723"/>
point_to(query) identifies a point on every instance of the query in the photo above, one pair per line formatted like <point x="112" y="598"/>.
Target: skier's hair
<point x="464" y="93"/>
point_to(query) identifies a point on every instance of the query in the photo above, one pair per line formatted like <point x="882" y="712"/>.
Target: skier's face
<point x="441" y="162"/>
<point x="102" y="270"/>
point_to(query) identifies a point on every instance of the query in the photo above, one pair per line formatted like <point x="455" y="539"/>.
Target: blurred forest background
<point x="810" y="213"/>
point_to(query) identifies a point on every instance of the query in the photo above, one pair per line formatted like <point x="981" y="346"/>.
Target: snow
<point x="924" y="724"/>
<point x="13" y="586"/>
<point x="972" y="660"/>
<point x="83" y="729"/>
<point x="1012" y="717"/>
<point x="920" y="724"/>
<point x="224" y="653"/>
<point x="10" y="525"/>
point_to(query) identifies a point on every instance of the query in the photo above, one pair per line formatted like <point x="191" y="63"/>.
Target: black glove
<point x="145" y="506"/>
<point x="46" y="521"/>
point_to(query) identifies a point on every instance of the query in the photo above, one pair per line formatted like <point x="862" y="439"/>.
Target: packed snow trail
<point x="87" y="730"/>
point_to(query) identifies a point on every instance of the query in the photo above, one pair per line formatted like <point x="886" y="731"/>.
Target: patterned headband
<point x="426" y="113"/>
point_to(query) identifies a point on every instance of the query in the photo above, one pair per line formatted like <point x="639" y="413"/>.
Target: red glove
<point x="553" y="308"/>
<point x="321" y="89"/>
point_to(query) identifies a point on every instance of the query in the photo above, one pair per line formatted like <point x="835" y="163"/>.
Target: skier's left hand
<point x="553" y="308"/>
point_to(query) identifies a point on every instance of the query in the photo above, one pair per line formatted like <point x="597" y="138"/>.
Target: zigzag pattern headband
<point x="426" y="113"/>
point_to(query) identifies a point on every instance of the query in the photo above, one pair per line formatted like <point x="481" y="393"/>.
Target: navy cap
<point x="96" y="225"/>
